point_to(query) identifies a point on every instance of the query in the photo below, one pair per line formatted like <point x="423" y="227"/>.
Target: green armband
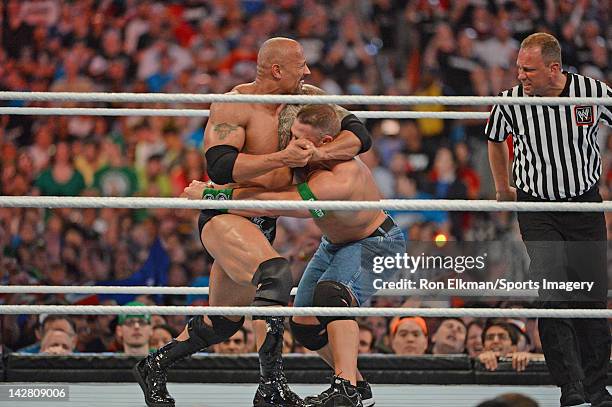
<point x="307" y="195"/>
<point x="212" y="194"/>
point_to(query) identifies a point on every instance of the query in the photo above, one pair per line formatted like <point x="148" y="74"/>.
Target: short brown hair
<point x="321" y="117"/>
<point x="512" y="330"/>
<point x="548" y="44"/>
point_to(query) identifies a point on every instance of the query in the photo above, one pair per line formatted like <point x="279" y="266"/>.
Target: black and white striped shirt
<point x="556" y="155"/>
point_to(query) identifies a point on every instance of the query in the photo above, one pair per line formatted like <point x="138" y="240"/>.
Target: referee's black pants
<point x="571" y="246"/>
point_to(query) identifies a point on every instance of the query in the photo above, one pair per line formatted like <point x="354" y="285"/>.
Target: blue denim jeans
<point x="350" y="264"/>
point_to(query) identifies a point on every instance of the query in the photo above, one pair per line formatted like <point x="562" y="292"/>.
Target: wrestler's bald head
<point x="282" y="61"/>
<point x="276" y="49"/>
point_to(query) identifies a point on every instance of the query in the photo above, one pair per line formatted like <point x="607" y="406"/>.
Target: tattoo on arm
<point x="224" y="130"/>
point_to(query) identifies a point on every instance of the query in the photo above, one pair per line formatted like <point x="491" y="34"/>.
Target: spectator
<point x="134" y="331"/>
<point x="161" y="335"/>
<point x="449" y="338"/>
<point x="87" y="338"/>
<point x="51" y="323"/>
<point x="517" y="400"/>
<point x="154" y="180"/>
<point x="473" y="343"/>
<point x="524" y="343"/>
<point x="62" y="178"/>
<point x="116" y="177"/>
<point x="56" y="342"/>
<point x="409" y="336"/>
<point x="366" y="339"/>
<point x="509" y="400"/>
<point x="88" y="159"/>
<point x="236" y="344"/>
<point x="499" y="339"/>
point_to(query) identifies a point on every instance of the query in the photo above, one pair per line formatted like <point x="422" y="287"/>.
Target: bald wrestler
<point x="248" y="145"/>
<point x="340" y="273"/>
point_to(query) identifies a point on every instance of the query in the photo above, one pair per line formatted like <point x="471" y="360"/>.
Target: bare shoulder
<point x="236" y="113"/>
<point x="333" y="183"/>
<point x="348" y="169"/>
<point x="338" y="172"/>
<point x="243" y="88"/>
<point x="313" y="90"/>
<point x="308" y="89"/>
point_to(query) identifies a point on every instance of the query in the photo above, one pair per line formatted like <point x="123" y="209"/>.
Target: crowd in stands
<point x="369" y="47"/>
<point x="486" y="341"/>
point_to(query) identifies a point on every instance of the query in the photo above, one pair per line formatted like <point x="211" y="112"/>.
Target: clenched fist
<point x="298" y="153"/>
<point x="195" y="189"/>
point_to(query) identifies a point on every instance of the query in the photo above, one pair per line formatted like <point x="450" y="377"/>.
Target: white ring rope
<point x="297" y="99"/>
<point x="87" y="111"/>
<point x="390" y="204"/>
<point x="156" y="290"/>
<point x="304" y="311"/>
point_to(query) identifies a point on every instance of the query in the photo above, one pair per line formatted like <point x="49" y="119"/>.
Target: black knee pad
<point x="312" y="337"/>
<point x="221" y="329"/>
<point x="332" y="294"/>
<point x="273" y="281"/>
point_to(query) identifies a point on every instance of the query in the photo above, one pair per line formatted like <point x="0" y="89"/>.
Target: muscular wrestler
<point x="242" y="143"/>
<point x="340" y="273"/>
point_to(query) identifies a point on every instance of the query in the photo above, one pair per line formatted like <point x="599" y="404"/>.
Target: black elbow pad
<point x="220" y="162"/>
<point x="354" y="125"/>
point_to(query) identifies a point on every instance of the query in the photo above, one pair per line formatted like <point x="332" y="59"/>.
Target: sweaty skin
<point x="259" y="131"/>
<point x="341" y="180"/>
<point x="328" y="180"/>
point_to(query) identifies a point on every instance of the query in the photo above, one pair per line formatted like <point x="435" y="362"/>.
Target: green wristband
<point x="307" y="195"/>
<point x="212" y="194"/>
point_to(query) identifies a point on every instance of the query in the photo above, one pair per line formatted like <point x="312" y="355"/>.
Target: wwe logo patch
<point x="583" y="115"/>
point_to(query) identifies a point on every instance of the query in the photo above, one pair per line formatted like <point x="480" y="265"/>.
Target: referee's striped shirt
<point x="556" y="155"/>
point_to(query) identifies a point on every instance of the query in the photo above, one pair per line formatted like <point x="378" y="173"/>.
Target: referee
<point x="556" y="158"/>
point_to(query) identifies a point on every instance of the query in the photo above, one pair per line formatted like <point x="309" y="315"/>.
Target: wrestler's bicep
<point x="224" y="132"/>
<point x="226" y="125"/>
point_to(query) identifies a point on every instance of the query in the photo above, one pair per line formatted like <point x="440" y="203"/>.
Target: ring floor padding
<point x="238" y="395"/>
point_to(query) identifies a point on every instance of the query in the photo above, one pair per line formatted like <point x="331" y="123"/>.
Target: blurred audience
<point x="380" y="48"/>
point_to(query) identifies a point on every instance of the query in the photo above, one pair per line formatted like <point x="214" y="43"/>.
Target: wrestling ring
<point x="464" y="392"/>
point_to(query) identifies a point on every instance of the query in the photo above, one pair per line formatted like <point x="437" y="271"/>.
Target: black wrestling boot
<point x="340" y="394"/>
<point x="151" y="372"/>
<point x="273" y="390"/>
<point x="365" y="391"/>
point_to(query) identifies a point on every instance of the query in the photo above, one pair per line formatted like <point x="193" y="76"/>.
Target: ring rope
<point x="87" y="111"/>
<point x="304" y="311"/>
<point x="389" y="204"/>
<point x="297" y="99"/>
<point x="156" y="290"/>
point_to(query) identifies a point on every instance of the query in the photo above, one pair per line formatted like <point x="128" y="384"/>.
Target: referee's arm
<point x="606" y="111"/>
<point x="497" y="132"/>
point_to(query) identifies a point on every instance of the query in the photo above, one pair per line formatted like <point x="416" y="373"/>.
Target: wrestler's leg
<point x="246" y="256"/>
<point x="224" y="292"/>
<point x="201" y="332"/>
<point x="326" y="351"/>
<point x="238" y="246"/>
